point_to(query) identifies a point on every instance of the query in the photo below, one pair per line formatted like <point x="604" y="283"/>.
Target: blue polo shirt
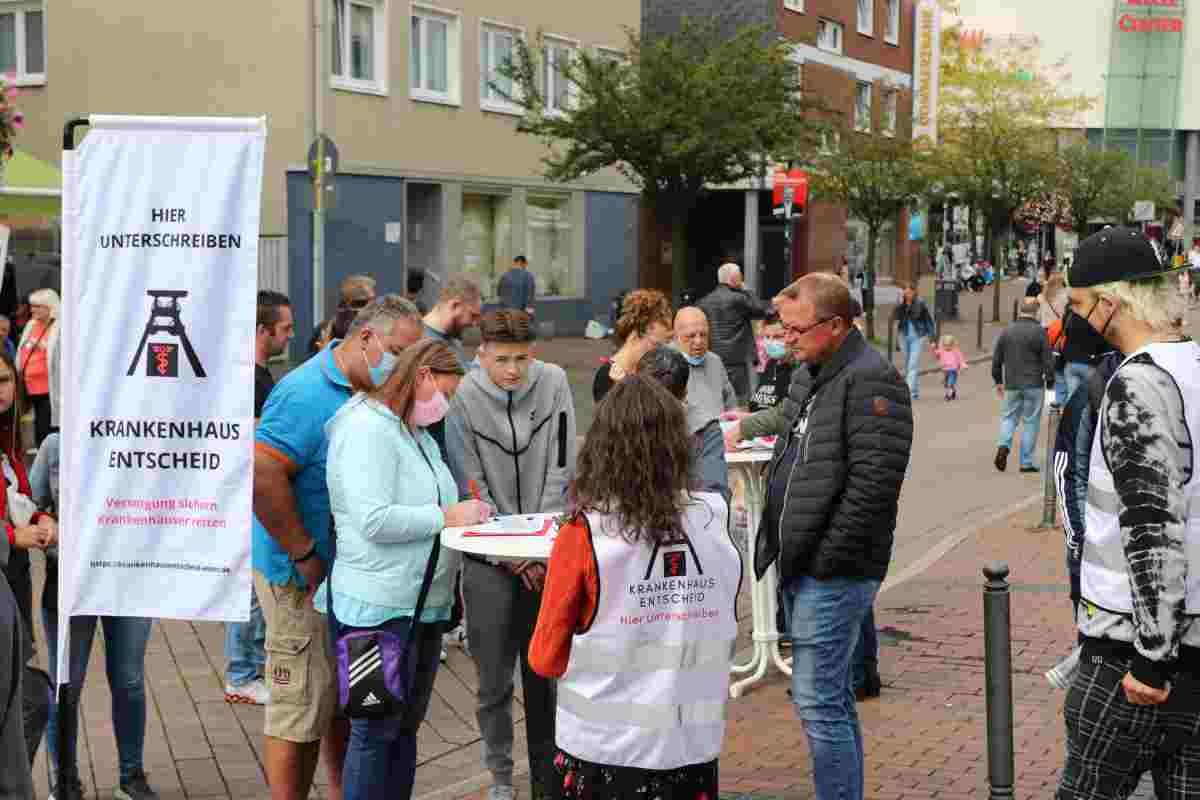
<point x="293" y="422"/>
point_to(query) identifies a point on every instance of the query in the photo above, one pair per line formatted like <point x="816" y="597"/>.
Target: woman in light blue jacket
<point x="391" y="496"/>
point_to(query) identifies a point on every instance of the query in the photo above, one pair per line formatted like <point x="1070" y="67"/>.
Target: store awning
<point x="32" y="188"/>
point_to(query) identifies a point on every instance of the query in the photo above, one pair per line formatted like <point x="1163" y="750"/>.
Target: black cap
<point x="520" y="259"/>
<point x="1114" y="254"/>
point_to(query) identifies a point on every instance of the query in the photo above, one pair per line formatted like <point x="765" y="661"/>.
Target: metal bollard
<point x="1016" y="307"/>
<point x="891" y="344"/>
<point x="979" y="330"/>
<point x="997" y="647"/>
<point x="1049" y="504"/>
<point x="937" y="331"/>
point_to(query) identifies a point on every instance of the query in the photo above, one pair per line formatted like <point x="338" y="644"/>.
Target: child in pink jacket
<point x="952" y="360"/>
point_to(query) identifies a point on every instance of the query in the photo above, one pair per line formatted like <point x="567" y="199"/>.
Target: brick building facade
<point x="857" y="56"/>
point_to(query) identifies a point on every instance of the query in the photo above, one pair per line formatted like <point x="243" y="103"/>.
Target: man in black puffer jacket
<point x="730" y="309"/>
<point x="834" y="489"/>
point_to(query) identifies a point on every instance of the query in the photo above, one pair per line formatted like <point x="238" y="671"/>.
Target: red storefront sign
<point x="1129" y="24"/>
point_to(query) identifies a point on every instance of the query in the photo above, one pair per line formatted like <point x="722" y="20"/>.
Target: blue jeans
<point x="827" y="619"/>
<point x="1077" y="375"/>
<point x="866" y="652"/>
<point x="913" y="346"/>
<point x="245" y="642"/>
<point x="951" y="380"/>
<point x="125" y="641"/>
<point x="381" y="763"/>
<point x="1025" y="406"/>
<point x="1060" y="388"/>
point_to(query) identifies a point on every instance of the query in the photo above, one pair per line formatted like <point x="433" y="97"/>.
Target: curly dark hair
<point x="634" y="462"/>
<point x="641" y="309"/>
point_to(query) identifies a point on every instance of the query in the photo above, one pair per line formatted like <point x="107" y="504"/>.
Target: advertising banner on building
<point x="160" y="229"/>
<point x="927" y="59"/>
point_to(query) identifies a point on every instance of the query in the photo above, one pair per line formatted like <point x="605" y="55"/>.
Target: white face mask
<point x="380" y="374"/>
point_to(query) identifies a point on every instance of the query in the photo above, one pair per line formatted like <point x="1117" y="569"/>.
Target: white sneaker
<point x="499" y="792"/>
<point x="254" y="692"/>
<point x="456" y="638"/>
<point x="444" y="655"/>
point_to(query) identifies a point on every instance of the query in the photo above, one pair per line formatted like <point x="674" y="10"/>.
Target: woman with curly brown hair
<point x="637" y="621"/>
<point x="645" y="323"/>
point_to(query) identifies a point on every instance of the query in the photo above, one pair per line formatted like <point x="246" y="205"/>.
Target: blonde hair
<point x="1151" y="301"/>
<point x="45" y="297"/>
<point x="949" y="342"/>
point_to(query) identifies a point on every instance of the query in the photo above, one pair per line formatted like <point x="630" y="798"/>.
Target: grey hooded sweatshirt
<point x="518" y="447"/>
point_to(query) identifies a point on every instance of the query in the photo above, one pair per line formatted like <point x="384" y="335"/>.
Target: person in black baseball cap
<point x="1140" y="661"/>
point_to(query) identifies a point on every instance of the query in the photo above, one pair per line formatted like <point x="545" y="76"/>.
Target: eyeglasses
<point x="791" y="330"/>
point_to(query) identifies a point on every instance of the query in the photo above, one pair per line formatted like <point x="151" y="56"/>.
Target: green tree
<point x="1093" y="183"/>
<point x="997" y="110"/>
<point x="679" y="112"/>
<point x="875" y="178"/>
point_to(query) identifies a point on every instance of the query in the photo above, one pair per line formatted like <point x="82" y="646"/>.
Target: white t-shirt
<point x="1195" y="258"/>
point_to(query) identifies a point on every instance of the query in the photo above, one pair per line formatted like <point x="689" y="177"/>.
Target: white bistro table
<point x="748" y="465"/>
<point x="506" y="538"/>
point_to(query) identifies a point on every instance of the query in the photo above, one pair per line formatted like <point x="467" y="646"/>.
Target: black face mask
<point x="1083" y="338"/>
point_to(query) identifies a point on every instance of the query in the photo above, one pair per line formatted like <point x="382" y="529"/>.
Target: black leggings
<point x="41" y="417"/>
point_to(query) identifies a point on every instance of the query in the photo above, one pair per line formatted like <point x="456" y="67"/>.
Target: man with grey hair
<point x="709" y="392"/>
<point x="1022" y="365"/>
<point x="292" y="540"/>
<point x="730" y="310"/>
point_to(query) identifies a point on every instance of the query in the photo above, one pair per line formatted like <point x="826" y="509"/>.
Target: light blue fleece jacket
<point x="384" y="498"/>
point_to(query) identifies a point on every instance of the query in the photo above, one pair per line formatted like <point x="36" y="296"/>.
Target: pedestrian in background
<point x="39" y="338"/>
<point x="1134" y="704"/>
<point x="10" y="346"/>
<point x="953" y="362"/>
<point x="830" y="517"/>
<point x="355" y="293"/>
<point x="915" y="326"/>
<point x="16" y="777"/>
<point x="636" y="525"/>
<point x="730" y="310"/>
<point x="643" y="324"/>
<point x="517" y="288"/>
<point x="512" y="443"/>
<point x="391" y="496"/>
<point x="1022" y="368"/>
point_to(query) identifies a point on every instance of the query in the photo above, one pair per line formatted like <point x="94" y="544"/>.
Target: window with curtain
<point x="358" y="36"/>
<point x="891" y="34"/>
<point x="497" y="45"/>
<point x="866" y="17"/>
<point x="486" y="238"/>
<point x="23" y="42"/>
<point x="548" y="244"/>
<point x="829" y="36"/>
<point x="433" y="56"/>
<point x="891" y="104"/>
<point x="862" y="107"/>
<point x="557" y="89"/>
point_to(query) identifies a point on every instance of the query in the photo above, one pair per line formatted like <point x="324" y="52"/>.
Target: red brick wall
<point x="873" y="49"/>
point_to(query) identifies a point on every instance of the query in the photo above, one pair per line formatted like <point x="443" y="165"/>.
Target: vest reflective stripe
<point x="646" y="684"/>
<point x="689" y="655"/>
<point x="657" y="716"/>
<point x="1104" y="572"/>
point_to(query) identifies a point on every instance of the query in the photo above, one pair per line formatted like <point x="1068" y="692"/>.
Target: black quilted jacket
<point x="839" y="515"/>
<point x="729" y="313"/>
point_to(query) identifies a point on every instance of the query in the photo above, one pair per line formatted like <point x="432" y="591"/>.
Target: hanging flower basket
<point x="11" y="121"/>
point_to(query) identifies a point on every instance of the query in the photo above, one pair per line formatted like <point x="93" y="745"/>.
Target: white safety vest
<point x="1104" y="574"/>
<point x="646" y="684"/>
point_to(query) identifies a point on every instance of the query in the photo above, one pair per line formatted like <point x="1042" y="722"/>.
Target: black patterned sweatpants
<point x="1111" y="742"/>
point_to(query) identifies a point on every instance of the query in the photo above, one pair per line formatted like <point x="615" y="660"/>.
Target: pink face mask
<point x="431" y="411"/>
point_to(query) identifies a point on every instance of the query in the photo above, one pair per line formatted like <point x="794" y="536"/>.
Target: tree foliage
<point x="875" y="178"/>
<point x="679" y="112"/>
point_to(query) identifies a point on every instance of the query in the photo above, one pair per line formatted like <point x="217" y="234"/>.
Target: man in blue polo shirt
<point x="292" y="544"/>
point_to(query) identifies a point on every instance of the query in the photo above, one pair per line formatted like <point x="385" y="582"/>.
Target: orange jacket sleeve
<point x="568" y="600"/>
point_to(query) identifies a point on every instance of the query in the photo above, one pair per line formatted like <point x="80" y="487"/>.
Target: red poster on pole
<point x="791" y="193"/>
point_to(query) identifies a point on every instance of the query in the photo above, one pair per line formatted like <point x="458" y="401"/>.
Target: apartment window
<point x="486" y="237"/>
<point x="359" y="33"/>
<point x="558" y="90"/>
<point x="23" y="42"/>
<point x="548" y="243"/>
<point x="891" y="34"/>
<point x="829" y="36"/>
<point x="831" y="142"/>
<point x="890" y="106"/>
<point x="794" y="5"/>
<point x="433" y="62"/>
<point x="862" y="107"/>
<point x="610" y="55"/>
<point x="497" y="46"/>
<point x="866" y="17"/>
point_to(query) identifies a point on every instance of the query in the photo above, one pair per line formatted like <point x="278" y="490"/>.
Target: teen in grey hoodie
<point x="510" y="436"/>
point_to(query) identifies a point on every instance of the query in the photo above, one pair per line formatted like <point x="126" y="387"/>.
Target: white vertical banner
<point x="160" y="252"/>
<point x="927" y="62"/>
